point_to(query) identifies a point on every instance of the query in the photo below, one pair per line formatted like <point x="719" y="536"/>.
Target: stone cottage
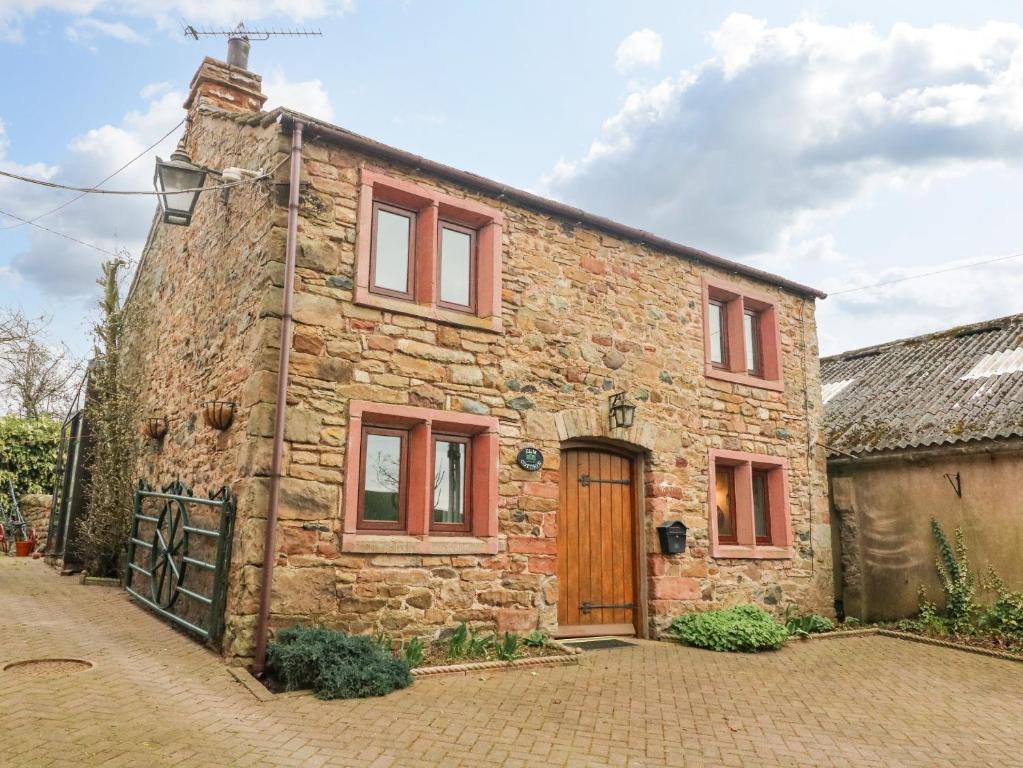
<point x="922" y="428"/>
<point x="440" y="324"/>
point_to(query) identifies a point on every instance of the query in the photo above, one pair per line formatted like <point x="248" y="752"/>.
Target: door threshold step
<point x="598" y="643"/>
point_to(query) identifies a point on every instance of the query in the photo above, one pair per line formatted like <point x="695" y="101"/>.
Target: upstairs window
<point x="426" y="253"/>
<point x="742" y="341"/>
<point x="393" y="250"/>
<point x="455" y="266"/>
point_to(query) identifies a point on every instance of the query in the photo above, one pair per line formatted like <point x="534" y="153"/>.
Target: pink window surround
<point x="417" y="538"/>
<point x="780" y="546"/>
<point x="431" y="208"/>
<point x="736" y="300"/>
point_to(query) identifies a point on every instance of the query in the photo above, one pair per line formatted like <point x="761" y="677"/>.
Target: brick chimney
<point x="218" y="85"/>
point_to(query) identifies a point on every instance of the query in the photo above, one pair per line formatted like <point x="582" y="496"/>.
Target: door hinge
<point x="585" y="480"/>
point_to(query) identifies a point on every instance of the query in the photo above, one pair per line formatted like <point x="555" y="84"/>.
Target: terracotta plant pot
<point x="155" y="427"/>
<point x="218" y="413"/>
<point x="23" y="548"/>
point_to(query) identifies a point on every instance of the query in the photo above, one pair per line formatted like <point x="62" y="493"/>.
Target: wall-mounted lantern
<point x="672" y="537"/>
<point x="155" y="427"/>
<point x="218" y="413"/>
<point x="620" y="413"/>
<point x="171" y="179"/>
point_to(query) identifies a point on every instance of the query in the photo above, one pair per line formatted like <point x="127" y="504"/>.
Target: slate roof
<point x="955" y="386"/>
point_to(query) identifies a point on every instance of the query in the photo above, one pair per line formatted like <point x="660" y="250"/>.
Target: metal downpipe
<point x="269" y="538"/>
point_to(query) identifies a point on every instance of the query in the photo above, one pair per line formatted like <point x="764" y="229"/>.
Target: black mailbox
<point x="672" y="536"/>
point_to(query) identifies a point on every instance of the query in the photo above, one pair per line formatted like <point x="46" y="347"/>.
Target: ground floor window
<point x="749" y="506"/>
<point x="418" y="472"/>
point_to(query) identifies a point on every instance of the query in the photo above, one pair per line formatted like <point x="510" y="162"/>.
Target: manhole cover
<point x="47" y="667"/>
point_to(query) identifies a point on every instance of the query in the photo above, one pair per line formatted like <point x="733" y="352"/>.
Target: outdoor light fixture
<point x="620" y="413"/>
<point x="174" y="176"/>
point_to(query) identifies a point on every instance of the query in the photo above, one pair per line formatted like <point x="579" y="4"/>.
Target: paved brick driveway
<point x="155" y="698"/>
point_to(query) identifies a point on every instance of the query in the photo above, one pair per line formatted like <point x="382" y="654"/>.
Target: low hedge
<point x="334" y="665"/>
<point x="743" y="628"/>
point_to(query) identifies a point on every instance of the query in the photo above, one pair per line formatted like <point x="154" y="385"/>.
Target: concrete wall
<point x="882" y="514"/>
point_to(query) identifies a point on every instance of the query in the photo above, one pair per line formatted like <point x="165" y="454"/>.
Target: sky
<point x="838" y="144"/>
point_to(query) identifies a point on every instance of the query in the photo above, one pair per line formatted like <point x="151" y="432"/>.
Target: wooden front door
<point x="596" y="544"/>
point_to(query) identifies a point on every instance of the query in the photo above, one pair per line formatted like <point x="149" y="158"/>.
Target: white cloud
<point x="58" y="266"/>
<point x="910" y="308"/>
<point x="640" y="49"/>
<point x="306" y="96"/>
<point x="87" y="29"/>
<point x="786" y="122"/>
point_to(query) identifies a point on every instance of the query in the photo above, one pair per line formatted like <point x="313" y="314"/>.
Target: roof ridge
<point x="954" y="331"/>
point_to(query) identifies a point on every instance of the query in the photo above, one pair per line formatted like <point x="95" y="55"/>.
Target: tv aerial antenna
<point x="238" y="39"/>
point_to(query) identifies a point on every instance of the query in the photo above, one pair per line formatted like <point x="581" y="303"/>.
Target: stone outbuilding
<point x="451" y="449"/>
<point x="922" y="428"/>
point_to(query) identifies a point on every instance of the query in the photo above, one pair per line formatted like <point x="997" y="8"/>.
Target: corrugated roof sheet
<point x="950" y="387"/>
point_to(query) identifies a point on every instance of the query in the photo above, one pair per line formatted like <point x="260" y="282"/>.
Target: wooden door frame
<point x="637" y="458"/>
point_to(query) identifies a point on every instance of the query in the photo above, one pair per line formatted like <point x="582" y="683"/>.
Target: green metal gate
<point x="179" y="554"/>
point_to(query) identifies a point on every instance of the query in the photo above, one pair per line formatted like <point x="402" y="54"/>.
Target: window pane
<point x="761" y="509"/>
<point x="455" y="255"/>
<point x="392" y="240"/>
<point x="717" y="332"/>
<point x="383" y="478"/>
<point x="751" y="328"/>
<point x="449" y="482"/>
<point x="725" y="502"/>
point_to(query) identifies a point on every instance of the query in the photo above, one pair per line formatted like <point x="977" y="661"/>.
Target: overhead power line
<point x="64" y="205"/>
<point x="145" y="192"/>
<point x="925" y="274"/>
<point x="61" y="234"/>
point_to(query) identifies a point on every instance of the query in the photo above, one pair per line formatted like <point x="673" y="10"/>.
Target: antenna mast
<point x="238" y="39"/>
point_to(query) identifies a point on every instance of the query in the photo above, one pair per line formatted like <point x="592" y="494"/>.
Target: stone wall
<point x="585" y="313"/>
<point x="202" y="291"/>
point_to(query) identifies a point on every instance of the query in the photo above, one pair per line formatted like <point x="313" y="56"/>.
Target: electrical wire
<point x="925" y="274"/>
<point x="62" y="234"/>
<point x="145" y="192"/>
<point x="64" y="205"/>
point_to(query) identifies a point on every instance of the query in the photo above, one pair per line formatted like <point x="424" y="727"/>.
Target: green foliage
<point x="414" y="652"/>
<point x="458" y="642"/>
<point x="535" y="639"/>
<point x="928" y="621"/>
<point x="113" y="414"/>
<point x="28" y="451"/>
<point x="334" y="665"/>
<point x="1005" y="615"/>
<point x="808" y="624"/>
<point x="743" y="628"/>
<point x="479" y="645"/>
<point x="957" y="580"/>
<point x="508" y="648"/>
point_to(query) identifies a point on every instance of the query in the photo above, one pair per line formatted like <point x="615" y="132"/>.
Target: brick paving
<point x="156" y="698"/>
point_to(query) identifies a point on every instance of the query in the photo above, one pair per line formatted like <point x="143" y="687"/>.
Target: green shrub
<point x="334" y="665"/>
<point x="458" y="642"/>
<point x="957" y="579"/>
<point x="808" y="624"/>
<point x="744" y="628"/>
<point x="508" y="648"/>
<point x="414" y="652"/>
<point x="28" y="452"/>
<point x="1006" y="615"/>
<point x="535" y="639"/>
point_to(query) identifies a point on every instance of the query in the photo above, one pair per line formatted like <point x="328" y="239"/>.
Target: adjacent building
<point x="443" y="323"/>
<point x="922" y="428"/>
